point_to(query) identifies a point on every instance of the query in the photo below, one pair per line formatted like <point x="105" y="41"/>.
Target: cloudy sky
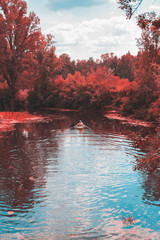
<point x="89" y="28"/>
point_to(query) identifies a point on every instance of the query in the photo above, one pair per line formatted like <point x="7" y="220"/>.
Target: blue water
<point x="59" y="183"/>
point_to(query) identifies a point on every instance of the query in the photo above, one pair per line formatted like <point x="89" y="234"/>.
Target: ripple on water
<point x="74" y="186"/>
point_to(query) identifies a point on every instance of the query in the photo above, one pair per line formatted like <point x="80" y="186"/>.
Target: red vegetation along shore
<point x="127" y="120"/>
<point x="8" y="119"/>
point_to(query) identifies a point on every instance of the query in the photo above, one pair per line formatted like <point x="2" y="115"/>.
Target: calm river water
<point x="59" y="183"/>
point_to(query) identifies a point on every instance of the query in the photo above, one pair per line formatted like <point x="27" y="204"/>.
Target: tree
<point x="150" y="37"/>
<point x="126" y="67"/>
<point x="129" y="6"/>
<point x="110" y="61"/>
<point x="86" y="66"/>
<point x="68" y="66"/>
<point x="154" y="111"/>
<point x="20" y="37"/>
<point x="46" y="67"/>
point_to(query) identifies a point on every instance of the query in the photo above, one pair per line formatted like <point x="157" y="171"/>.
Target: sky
<point x="90" y="28"/>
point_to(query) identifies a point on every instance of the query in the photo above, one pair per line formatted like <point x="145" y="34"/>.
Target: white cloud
<point x="84" y="32"/>
<point x="155" y="8"/>
<point x="95" y="37"/>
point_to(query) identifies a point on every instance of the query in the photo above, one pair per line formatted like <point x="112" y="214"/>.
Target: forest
<point x="33" y="77"/>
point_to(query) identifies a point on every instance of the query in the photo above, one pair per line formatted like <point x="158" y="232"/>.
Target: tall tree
<point x="150" y="37"/>
<point x="110" y="61"/>
<point x="68" y="66"/>
<point x="20" y="37"/>
<point x="126" y="67"/>
<point x="46" y="68"/>
<point x="86" y="66"/>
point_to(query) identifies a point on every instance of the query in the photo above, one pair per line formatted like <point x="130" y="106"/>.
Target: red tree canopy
<point x="20" y="37"/>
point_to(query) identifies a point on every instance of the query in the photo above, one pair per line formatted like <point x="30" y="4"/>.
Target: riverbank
<point x="9" y="119"/>
<point x="127" y="120"/>
<point x="110" y="115"/>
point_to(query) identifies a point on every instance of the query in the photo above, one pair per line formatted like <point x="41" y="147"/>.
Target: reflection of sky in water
<point x="82" y="186"/>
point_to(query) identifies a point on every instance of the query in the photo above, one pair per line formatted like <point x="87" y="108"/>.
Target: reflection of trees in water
<point x="149" y="165"/>
<point x="116" y="127"/>
<point x="30" y="147"/>
<point x="94" y="120"/>
<point x="24" y="157"/>
<point x="23" y="164"/>
<point x="146" y="140"/>
<point x="151" y="185"/>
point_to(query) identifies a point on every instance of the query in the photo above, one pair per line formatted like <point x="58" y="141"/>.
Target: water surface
<point x="59" y="183"/>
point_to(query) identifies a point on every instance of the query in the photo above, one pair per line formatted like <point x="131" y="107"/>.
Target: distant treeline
<point x="32" y="76"/>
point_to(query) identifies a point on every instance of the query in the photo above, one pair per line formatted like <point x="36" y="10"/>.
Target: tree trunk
<point x="12" y="102"/>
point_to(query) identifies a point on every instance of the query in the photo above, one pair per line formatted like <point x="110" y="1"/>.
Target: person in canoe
<point x="80" y="125"/>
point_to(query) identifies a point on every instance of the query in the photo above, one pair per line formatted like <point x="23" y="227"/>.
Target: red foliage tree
<point x="20" y="37"/>
<point x="68" y="66"/>
<point x="129" y="6"/>
<point x="46" y="67"/>
<point x="86" y="66"/>
<point x="109" y="61"/>
<point x="149" y="43"/>
<point x="96" y="91"/>
<point x="154" y="110"/>
<point x="126" y="67"/>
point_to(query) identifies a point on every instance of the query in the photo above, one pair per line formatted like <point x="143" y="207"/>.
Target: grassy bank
<point x="9" y="119"/>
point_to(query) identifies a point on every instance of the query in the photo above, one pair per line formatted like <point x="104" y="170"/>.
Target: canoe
<point x="79" y="127"/>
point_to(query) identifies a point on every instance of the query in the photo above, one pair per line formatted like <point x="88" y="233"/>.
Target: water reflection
<point x="57" y="183"/>
<point x="23" y="166"/>
<point x="152" y="188"/>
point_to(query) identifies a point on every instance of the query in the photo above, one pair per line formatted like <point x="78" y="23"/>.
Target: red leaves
<point x="129" y="6"/>
<point x="10" y="212"/>
<point x="128" y="221"/>
<point x="23" y="36"/>
<point x="95" y="90"/>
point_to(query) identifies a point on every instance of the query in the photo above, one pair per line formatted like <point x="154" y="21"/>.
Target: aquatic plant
<point x="129" y="220"/>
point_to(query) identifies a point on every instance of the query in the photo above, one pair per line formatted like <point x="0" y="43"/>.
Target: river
<point x="59" y="183"/>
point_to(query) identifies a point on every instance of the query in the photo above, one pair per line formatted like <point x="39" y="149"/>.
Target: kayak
<point x="79" y="126"/>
